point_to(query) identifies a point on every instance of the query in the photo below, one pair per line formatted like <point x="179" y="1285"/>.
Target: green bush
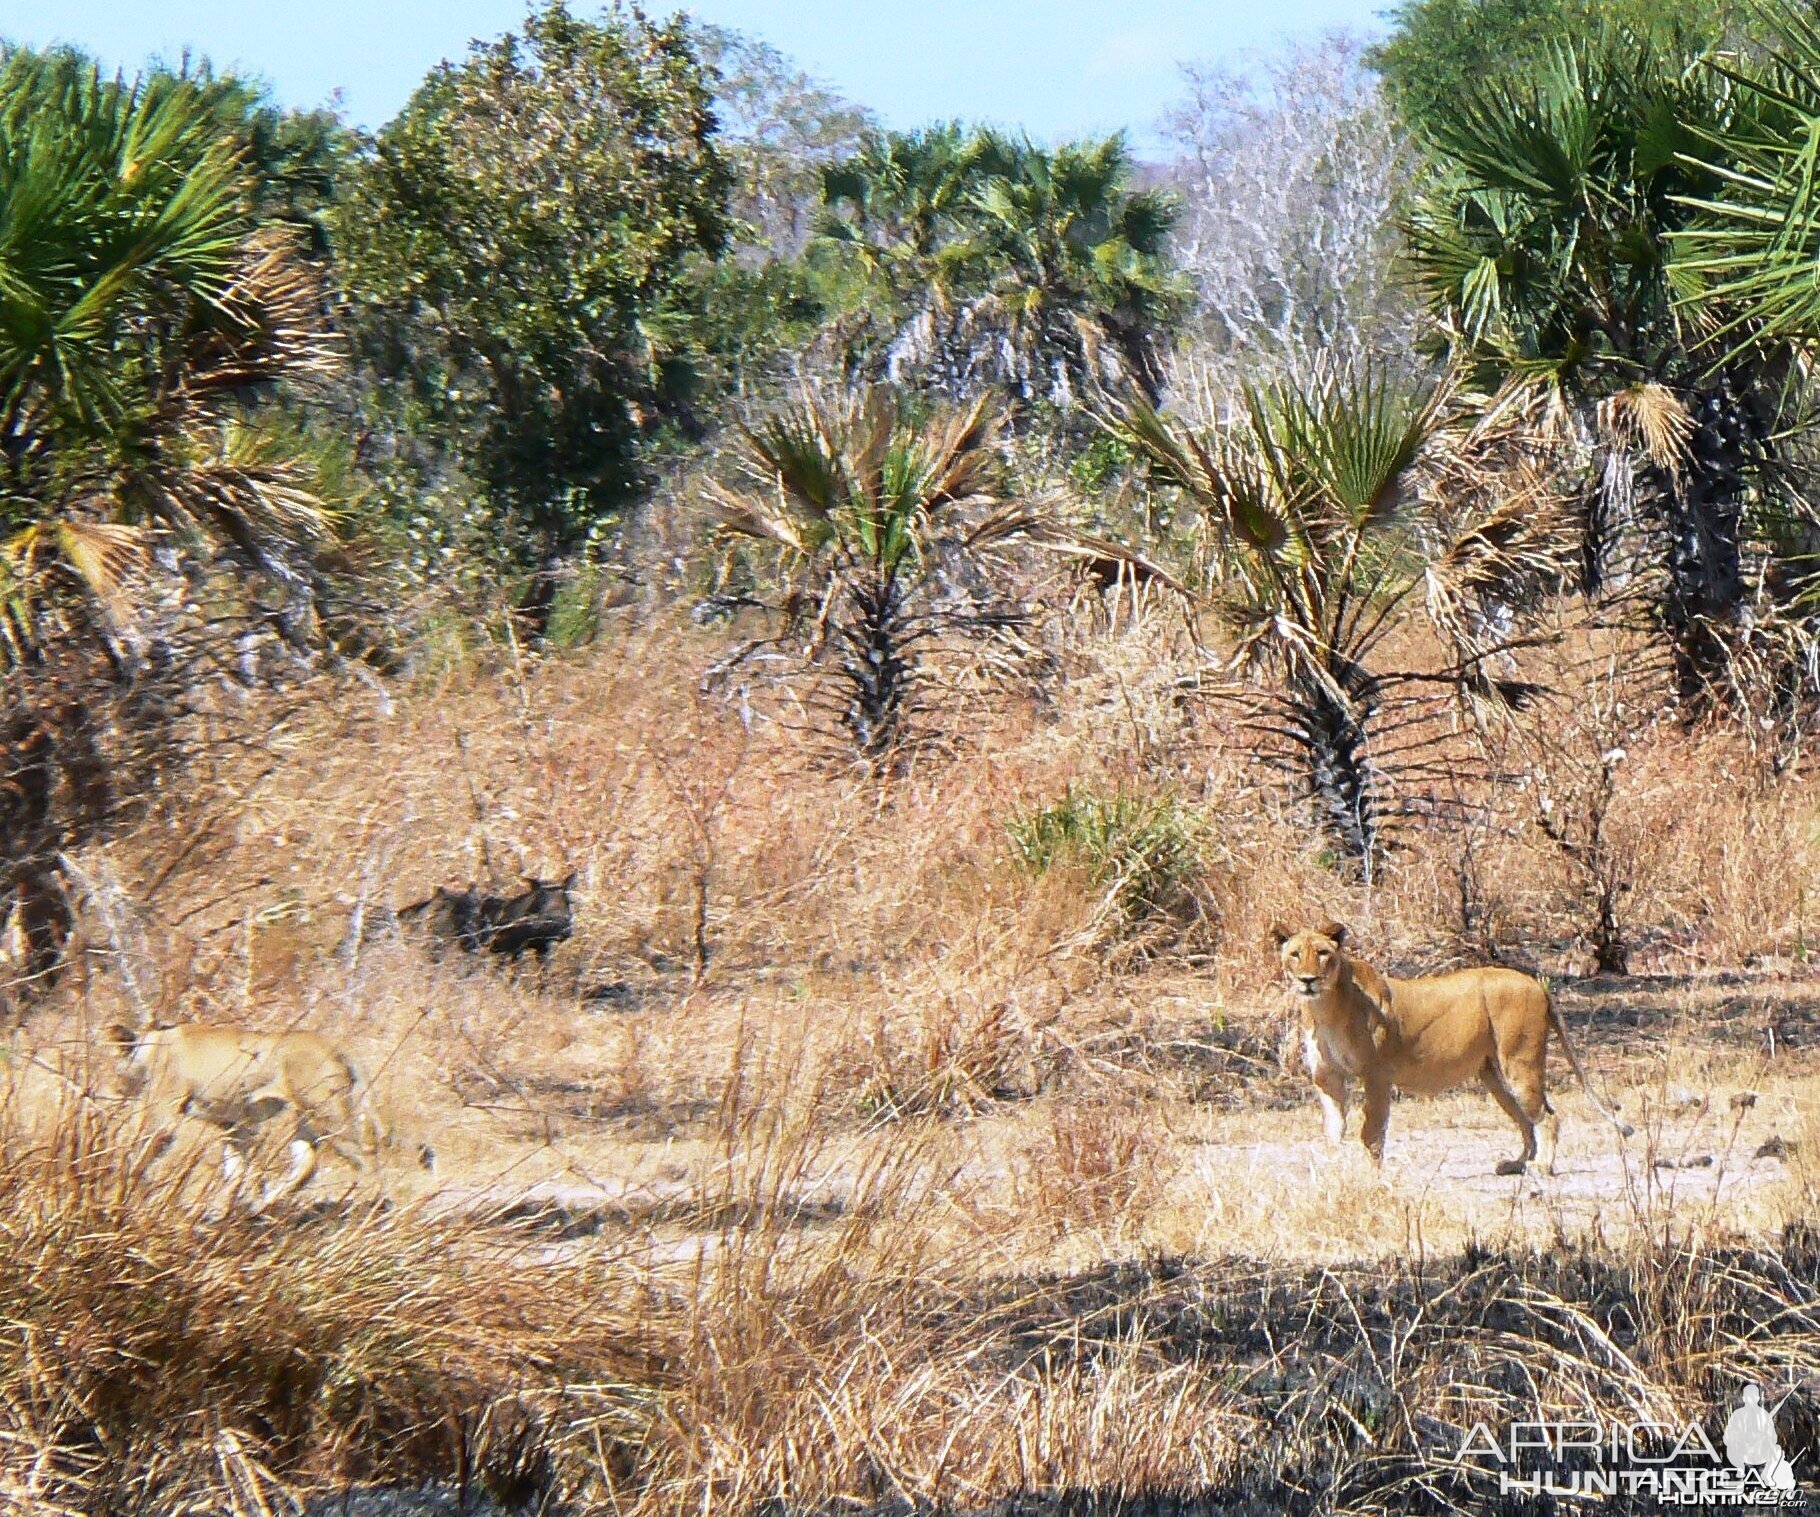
<point x="1146" y="852"/>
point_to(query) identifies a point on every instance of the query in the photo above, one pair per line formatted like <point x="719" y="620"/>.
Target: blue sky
<point x="1054" y="67"/>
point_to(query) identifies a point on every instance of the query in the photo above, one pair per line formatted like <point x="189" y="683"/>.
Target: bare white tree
<point x="780" y="127"/>
<point x="1292" y="171"/>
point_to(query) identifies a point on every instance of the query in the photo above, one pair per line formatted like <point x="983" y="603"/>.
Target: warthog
<point x="450" y="916"/>
<point x="537" y="918"/>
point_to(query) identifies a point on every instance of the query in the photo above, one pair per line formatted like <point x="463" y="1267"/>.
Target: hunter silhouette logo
<point x="1750" y="1443"/>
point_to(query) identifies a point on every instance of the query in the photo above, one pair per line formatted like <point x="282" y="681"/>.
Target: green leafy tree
<point x="895" y="209"/>
<point x="760" y="315"/>
<point x="1544" y="245"/>
<point x="902" y="197"/>
<point x="513" y="246"/>
<point x="1439" y="47"/>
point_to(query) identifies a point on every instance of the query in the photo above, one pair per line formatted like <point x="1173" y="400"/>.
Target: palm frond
<point x="1653" y="419"/>
<point x="1215" y="470"/>
<point x="1504" y="554"/>
<point x="1342" y="438"/>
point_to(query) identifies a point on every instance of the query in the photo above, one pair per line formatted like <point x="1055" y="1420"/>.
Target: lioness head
<point x="128" y="1069"/>
<point x="1311" y="958"/>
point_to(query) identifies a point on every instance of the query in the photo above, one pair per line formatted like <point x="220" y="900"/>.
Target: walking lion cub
<point x="1424" y="1036"/>
<point x="298" y="1084"/>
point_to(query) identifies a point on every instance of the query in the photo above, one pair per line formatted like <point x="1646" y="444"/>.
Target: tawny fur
<point x="1424" y="1036"/>
<point x="297" y="1083"/>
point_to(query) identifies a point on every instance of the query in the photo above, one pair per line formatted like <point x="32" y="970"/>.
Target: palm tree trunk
<point x="877" y="670"/>
<point x="1342" y="780"/>
<point x="1702" y="516"/>
<point x="44" y="750"/>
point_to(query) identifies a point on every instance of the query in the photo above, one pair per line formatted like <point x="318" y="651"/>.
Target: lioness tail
<point x="369" y="1131"/>
<point x="1567" y="1047"/>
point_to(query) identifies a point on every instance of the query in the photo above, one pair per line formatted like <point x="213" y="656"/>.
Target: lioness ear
<point x="1334" y="930"/>
<point x="569" y="880"/>
<point x="1279" y="934"/>
<point x="122" y="1037"/>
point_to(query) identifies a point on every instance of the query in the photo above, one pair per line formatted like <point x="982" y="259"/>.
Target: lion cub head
<point x="1312" y="958"/>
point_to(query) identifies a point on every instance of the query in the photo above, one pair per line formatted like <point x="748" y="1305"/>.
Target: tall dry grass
<point x="152" y="1362"/>
<point x="844" y="1160"/>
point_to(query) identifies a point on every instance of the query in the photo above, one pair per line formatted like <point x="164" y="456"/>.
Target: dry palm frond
<point x="959" y="453"/>
<point x="1507" y="554"/>
<point x="1214" y="468"/>
<point x="749" y="515"/>
<point x="103" y="558"/>
<point x="1038" y="521"/>
<point x="236" y="486"/>
<point x="1535" y="403"/>
<point x="269" y="322"/>
<point x="1111" y="562"/>
<point x="1651" y="418"/>
<point x="103" y="555"/>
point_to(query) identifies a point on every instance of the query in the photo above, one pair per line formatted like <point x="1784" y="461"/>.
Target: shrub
<point x="1146" y="853"/>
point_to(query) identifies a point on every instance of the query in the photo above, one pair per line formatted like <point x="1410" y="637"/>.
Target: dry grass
<point x="173" y="1364"/>
<point x="844" y="1161"/>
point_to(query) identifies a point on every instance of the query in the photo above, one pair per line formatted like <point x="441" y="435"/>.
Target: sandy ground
<point x="1718" y="1073"/>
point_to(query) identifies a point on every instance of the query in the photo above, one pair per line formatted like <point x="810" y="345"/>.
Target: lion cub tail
<point x="1567" y="1047"/>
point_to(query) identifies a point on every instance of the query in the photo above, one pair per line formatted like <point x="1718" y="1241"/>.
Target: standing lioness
<point x="239" y="1081"/>
<point x="1424" y="1036"/>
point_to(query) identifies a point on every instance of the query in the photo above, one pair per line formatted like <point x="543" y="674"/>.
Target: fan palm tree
<point x="1307" y="491"/>
<point x="1748" y="257"/>
<point x="897" y="207"/>
<point x="1007" y="264"/>
<point x="897" y="199"/>
<point x="1074" y="259"/>
<point x="888" y="531"/>
<point x="1544" y="244"/>
<point x="142" y="312"/>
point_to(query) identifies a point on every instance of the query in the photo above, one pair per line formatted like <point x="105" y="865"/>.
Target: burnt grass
<point x="1335" y="1363"/>
<point x="1354" y="1371"/>
<point x="1355" y="1377"/>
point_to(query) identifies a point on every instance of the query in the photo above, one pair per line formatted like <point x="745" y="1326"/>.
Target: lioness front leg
<point x="233" y="1175"/>
<point x="1330" y="1087"/>
<point x="1377" y="1119"/>
<point x="301" y="1146"/>
<point x="303" y="1165"/>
